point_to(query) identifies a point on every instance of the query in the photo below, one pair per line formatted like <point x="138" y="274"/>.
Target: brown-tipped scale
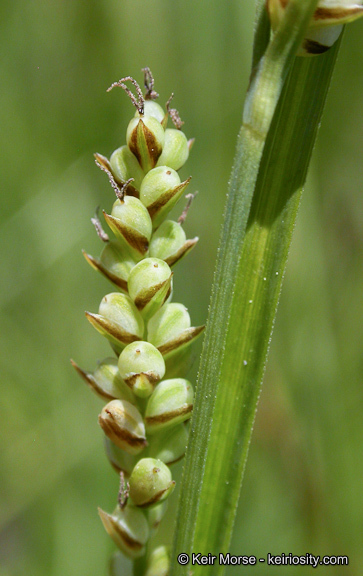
<point x="106" y="381"/>
<point x="145" y="138"/>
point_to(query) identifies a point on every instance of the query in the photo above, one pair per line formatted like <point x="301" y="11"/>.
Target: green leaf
<point x="252" y="258"/>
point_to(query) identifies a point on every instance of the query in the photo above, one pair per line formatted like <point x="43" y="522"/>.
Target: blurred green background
<point x="303" y="486"/>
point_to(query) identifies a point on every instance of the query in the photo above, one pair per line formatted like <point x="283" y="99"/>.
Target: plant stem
<point x="140" y="565"/>
<point x="250" y="267"/>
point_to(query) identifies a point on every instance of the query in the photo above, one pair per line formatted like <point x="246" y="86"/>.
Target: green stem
<point x="249" y="273"/>
<point x="140" y="565"/>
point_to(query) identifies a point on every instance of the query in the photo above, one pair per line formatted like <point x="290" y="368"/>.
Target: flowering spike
<point x="149" y="334"/>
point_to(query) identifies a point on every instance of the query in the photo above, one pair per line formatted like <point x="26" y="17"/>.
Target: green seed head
<point x="118" y="320"/>
<point x="170" y="404"/>
<point x="123" y="424"/>
<point x="175" y="151"/>
<point x="128" y="528"/>
<point x="120" y="460"/>
<point x="106" y="381"/>
<point x="130" y="222"/>
<point x="169" y="329"/>
<point x="145" y="138"/>
<point x="149" y="285"/>
<point x="141" y="366"/>
<point x="150" y="482"/>
<point x="160" y="190"/>
<point x="124" y="166"/>
<point x="169" y="242"/>
<point x="159" y="562"/>
<point x="152" y="108"/>
<point x="168" y="445"/>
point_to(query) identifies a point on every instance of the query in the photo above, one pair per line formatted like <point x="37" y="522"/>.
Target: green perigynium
<point x="122" y="422"/>
<point x="160" y="191"/>
<point x="170" y="404"/>
<point x="115" y="263"/>
<point x="141" y="367"/>
<point x="118" y="320"/>
<point x="128" y="528"/>
<point x="159" y="563"/>
<point x="144" y="418"/>
<point x="150" y="482"/>
<point x="130" y="222"/>
<point x="169" y="242"/>
<point x="124" y="165"/>
<point x="149" y="285"/>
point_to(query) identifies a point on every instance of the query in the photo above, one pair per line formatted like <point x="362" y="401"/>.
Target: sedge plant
<point x="148" y="397"/>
